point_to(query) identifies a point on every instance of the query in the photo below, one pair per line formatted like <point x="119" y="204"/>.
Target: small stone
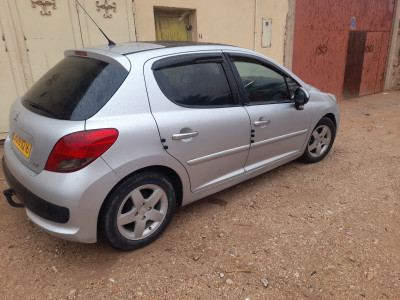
<point x="265" y="282"/>
<point x="71" y="292"/>
<point x="112" y="280"/>
<point x="54" y="269"/>
<point x="221" y="275"/>
<point x="140" y="293"/>
<point x="196" y="257"/>
<point x="370" y="276"/>
<point x="229" y="281"/>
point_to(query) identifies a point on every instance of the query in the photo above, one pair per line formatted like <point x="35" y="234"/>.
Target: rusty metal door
<point x="375" y="56"/>
<point x="354" y="64"/>
<point x="328" y="50"/>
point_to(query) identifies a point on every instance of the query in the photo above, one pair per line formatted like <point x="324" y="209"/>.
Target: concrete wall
<point x="224" y="21"/>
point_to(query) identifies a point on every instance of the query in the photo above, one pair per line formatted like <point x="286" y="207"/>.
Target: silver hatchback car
<point x="117" y="136"/>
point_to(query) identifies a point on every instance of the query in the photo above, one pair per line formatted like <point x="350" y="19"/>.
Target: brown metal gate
<point x="341" y="47"/>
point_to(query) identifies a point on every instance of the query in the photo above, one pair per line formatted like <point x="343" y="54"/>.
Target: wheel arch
<point x="166" y="171"/>
<point x="332" y="117"/>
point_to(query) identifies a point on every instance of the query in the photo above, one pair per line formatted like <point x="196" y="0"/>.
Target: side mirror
<point x="301" y="97"/>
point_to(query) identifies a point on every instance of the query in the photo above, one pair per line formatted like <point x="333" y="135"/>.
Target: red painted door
<point x="324" y="38"/>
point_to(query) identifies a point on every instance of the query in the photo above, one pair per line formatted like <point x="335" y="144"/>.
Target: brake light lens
<point x="77" y="150"/>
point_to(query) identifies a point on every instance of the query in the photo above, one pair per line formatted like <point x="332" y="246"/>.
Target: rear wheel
<point x="320" y="141"/>
<point x="138" y="211"/>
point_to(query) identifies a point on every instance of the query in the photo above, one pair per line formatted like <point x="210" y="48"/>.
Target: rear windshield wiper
<point x="37" y="106"/>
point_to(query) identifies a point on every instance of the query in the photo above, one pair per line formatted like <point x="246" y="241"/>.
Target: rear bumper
<point x="35" y="204"/>
<point x="65" y="205"/>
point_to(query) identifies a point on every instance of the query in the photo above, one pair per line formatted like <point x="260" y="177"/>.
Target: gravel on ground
<point x="329" y="230"/>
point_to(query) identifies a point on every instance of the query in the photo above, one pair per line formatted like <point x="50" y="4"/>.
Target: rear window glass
<point x="195" y="85"/>
<point x="74" y="89"/>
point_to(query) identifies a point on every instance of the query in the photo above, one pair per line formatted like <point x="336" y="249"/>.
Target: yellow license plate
<point x="22" y="145"/>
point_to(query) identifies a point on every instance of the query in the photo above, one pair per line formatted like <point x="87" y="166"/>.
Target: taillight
<point x="77" y="150"/>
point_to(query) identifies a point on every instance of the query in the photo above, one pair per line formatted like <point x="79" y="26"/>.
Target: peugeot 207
<point x="115" y="137"/>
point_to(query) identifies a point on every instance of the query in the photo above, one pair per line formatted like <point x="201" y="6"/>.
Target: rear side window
<point x="74" y="89"/>
<point x="195" y="85"/>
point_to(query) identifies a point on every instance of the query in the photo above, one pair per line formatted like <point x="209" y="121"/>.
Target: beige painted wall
<point x="32" y="43"/>
<point x="224" y="21"/>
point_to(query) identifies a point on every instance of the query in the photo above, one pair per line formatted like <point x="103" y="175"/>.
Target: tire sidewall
<point x="307" y="157"/>
<point x="118" y="195"/>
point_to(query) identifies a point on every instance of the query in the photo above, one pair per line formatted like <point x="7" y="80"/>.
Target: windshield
<point x="74" y="89"/>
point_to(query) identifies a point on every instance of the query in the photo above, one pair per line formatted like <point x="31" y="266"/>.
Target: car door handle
<point x="261" y="123"/>
<point x="186" y="135"/>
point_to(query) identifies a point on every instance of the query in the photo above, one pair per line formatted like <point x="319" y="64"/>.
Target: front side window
<point x="195" y="85"/>
<point x="261" y="83"/>
<point x="292" y="86"/>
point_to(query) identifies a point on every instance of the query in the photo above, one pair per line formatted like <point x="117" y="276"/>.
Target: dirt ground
<point x="324" y="231"/>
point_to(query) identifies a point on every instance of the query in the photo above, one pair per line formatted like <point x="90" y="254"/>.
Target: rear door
<point x="278" y="129"/>
<point x="199" y="115"/>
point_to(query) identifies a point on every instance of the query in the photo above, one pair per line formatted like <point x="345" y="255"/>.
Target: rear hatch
<point x="59" y="103"/>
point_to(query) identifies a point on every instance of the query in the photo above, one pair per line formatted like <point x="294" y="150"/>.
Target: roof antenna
<point x="110" y="42"/>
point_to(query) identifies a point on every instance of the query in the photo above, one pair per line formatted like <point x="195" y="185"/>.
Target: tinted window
<point x="75" y="89"/>
<point x="202" y="85"/>
<point x="261" y="83"/>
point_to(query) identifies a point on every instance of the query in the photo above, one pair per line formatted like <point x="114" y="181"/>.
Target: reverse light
<point x="77" y="150"/>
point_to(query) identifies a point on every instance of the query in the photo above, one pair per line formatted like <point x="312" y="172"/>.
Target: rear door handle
<point x="186" y="135"/>
<point x="261" y="123"/>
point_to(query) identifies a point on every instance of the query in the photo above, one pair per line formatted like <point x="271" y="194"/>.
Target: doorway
<point x="174" y="24"/>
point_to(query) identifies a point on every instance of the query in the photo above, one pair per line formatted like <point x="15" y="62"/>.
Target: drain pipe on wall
<point x="255" y="25"/>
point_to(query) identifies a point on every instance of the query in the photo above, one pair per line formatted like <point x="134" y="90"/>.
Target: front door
<point x="279" y="130"/>
<point x="201" y="122"/>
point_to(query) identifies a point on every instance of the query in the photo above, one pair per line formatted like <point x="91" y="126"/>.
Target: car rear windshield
<point x="74" y="89"/>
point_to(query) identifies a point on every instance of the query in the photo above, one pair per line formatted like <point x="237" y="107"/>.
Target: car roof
<point x="132" y="47"/>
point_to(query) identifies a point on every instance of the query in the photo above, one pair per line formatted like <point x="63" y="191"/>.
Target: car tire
<point x="138" y="210"/>
<point x="320" y="141"/>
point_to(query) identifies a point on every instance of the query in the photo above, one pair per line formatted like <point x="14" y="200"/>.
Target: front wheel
<point x="320" y="141"/>
<point x="138" y="211"/>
